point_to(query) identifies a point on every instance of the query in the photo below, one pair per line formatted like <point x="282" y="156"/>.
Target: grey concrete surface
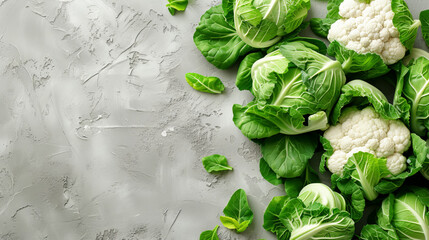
<point x="100" y="135"/>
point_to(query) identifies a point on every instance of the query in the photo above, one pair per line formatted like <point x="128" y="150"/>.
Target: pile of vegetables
<point x="304" y="102"/>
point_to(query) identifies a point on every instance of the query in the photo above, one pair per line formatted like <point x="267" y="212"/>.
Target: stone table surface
<point x="100" y="135"/>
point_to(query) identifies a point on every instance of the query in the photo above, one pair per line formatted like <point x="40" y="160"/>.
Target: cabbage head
<point x="262" y="23"/>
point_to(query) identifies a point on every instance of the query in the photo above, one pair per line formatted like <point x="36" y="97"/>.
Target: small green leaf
<point x="210" y="234"/>
<point x="424" y="19"/>
<point x="176" y="5"/>
<point x="238" y="214"/>
<point x="215" y="163"/>
<point x="205" y="84"/>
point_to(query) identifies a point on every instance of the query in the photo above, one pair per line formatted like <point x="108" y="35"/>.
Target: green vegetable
<point x="404" y="22"/>
<point x="272" y="220"/>
<point x="402" y="216"/>
<point x="205" y="84"/>
<point x="288" y="156"/>
<point x="292" y="86"/>
<point x="268" y="173"/>
<point x="210" y="234"/>
<point x="367" y="171"/>
<point x="244" y="78"/>
<point x="356" y="65"/>
<point x="176" y="5"/>
<point x="238" y="214"/>
<point x="217" y="39"/>
<point x="262" y="23"/>
<point x="416" y="90"/>
<point x="215" y="163"/>
<point x="424" y="19"/>
<point x="293" y="186"/>
<point x="289" y="218"/>
<point x="320" y="193"/>
<point x="321" y="26"/>
<point x="361" y="93"/>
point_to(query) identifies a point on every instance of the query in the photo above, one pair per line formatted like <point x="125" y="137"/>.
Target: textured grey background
<point x="100" y="135"/>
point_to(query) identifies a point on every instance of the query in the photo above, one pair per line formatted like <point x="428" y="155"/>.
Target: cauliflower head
<point x="366" y="131"/>
<point x="368" y="28"/>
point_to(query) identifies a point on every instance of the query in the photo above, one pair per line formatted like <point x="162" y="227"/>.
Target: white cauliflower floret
<point x="368" y="28"/>
<point x="366" y="131"/>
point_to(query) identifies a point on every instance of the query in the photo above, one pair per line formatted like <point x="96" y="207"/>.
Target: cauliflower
<point x="366" y="131"/>
<point x="368" y="28"/>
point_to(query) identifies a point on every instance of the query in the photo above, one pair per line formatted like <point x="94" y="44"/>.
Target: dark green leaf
<point x="288" y="156"/>
<point x="238" y="214"/>
<point x="251" y="125"/>
<point x="268" y="174"/>
<point x="272" y="221"/>
<point x="321" y="26"/>
<point x="424" y="19"/>
<point x="217" y="39"/>
<point x="210" y="234"/>
<point x="205" y="84"/>
<point x="215" y="163"/>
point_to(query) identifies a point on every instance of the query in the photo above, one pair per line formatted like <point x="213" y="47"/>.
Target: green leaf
<point x="244" y="78"/>
<point x="251" y="125"/>
<point x="334" y="9"/>
<point x="321" y="26"/>
<point x="217" y="39"/>
<point x="272" y="220"/>
<point x="268" y="174"/>
<point x="361" y="93"/>
<point x="248" y="13"/>
<point x="366" y="170"/>
<point x="289" y="120"/>
<point x="409" y="218"/>
<point x="293" y="186"/>
<point x="210" y="234"/>
<point x="288" y="156"/>
<point x="374" y="232"/>
<point x="400" y="103"/>
<point x="215" y="163"/>
<point x="416" y="90"/>
<point x="356" y="65"/>
<point x="205" y="84"/>
<point x="176" y="5"/>
<point x="424" y="19"/>
<point x="238" y="214"/>
<point x="329" y="150"/>
<point x="404" y="22"/>
<point x="353" y="194"/>
<point x="297" y="12"/>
